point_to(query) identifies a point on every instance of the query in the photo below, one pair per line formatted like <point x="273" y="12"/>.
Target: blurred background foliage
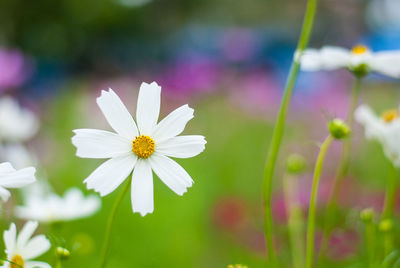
<point x="227" y="59"/>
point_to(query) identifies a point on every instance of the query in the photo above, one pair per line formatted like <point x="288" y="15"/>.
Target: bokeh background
<point x="229" y="61"/>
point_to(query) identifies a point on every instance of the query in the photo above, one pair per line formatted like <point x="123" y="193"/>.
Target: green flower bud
<point x="62" y="253"/>
<point x="361" y="70"/>
<point x="338" y="129"/>
<point x="366" y="215"/>
<point x="295" y="164"/>
<point x="386" y="225"/>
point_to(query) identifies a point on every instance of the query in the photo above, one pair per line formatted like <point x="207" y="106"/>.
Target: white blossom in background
<point x="22" y="248"/>
<point x="17" y="124"/>
<point x="12" y="178"/>
<point x="384" y="129"/>
<point x="17" y="154"/>
<point x="139" y="148"/>
<point x="49" y="208"/>
<point x="360" y="60"/>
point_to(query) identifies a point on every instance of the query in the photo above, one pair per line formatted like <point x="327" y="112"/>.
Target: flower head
<point x="140" y="147"/>
<point x="53" y="208"/>
<point x="21" y="249"/>
<point x="384" y="129"/>
<point x="12" y="178"/>
<point x="338" y="129"/>
<point x="17" y="124"/>
<point x="360" y="60"/>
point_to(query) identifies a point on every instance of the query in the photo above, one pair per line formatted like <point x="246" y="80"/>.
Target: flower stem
<point x="106" y="245"/>
<point x="280" y="124"/>
<point x="370" y="242"/>
<point x="313" y="201"/>
<point x="390" y="197"/>
<point x="342" y="168"/>
<point x="295" y="219"/>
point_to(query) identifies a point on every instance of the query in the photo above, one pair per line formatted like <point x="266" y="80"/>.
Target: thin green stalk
<point x="59" y="263"/>
<point x="370" y="243"/>
<point x="106" y="245"/>
<point x="280" y="124"/>
<point x="390" y="197"/>
<point x="313" y="201"/>
<point x="295" y="220"/>
<point x="342" y="168"/>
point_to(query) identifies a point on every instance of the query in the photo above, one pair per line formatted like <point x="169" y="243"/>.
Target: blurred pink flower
<point x="238" y="44"/>
<point x="15" y="69"/>
<point x="230" y="213"/>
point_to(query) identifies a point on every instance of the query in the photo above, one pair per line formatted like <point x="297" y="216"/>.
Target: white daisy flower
<point x="22" y="249"/>
<point x="360" y="60"/>
<point x="140" y="148"/>
<point x="53" y="208"/>
<point x="384" y="129"/>
<point x="12" y="178"/>
<point x="17" y="124"/>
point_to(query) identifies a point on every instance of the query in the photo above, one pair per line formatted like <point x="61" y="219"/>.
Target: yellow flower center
<point x="390" y="115"/>
<point x="17" y="261"/>
<point x="143" y="146"/>
<point x="359" y="49"/>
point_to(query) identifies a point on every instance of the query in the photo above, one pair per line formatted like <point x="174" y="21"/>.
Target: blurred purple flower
<point x="191" y="76"/>
<point x="238" y="44"/>
<point x="15" y="69"/>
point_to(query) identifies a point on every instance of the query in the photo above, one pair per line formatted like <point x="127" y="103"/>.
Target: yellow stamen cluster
<point x="143" y="146"/>
<point x="17" y="261"/>
<point x="359" y="49"/>
<point x="390" y="115"/>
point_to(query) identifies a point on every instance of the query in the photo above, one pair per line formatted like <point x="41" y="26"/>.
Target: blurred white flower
<point x="16" y="123"/>
<point x="384" y="129"/>
<point x="22" y="249"/>
<point x="360" y="60"/>
<point x="12" y="178"/>
<point x="17" y="154"/>
<point x="53" y="208"/>
<point x="141" y="149"/>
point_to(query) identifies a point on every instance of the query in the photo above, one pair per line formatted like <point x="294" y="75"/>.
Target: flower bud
<point x="237" y="266"/>
<point x="62" y="253"/>
<point x="295" y="164"/>
<point x="338" y="129"/>
<point x="366" y="215"/>
<point x="386" y="225"/>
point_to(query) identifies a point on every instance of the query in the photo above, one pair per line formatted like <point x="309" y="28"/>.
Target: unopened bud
<point x="296" y="164"/>
<point x="386" y="225"/>
<point x="62" y="253"/>
<point x="338" y="129"/>
<point x="366" y="215"/>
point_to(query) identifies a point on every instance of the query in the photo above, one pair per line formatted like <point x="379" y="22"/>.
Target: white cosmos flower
<point x="53" y="208"/>
<point x="12" y="178"/>
<point x="21" y="249"/>
<point x="359" y="60"/>
<point x="384" y="129"/>
<point x="17" y="124"/>
<point x="140" y="148"/>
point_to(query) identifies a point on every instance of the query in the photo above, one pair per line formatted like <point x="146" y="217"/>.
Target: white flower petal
<point x="327" y="58"/>
<point x="387" y="63"/>
<point x="18" y="178"/>
<point x="10" y="239"/>
<point x="109" y="175"/>
<point x="142" y="195"/>
<point x="36" y="264"/>
<point x="182" y="146"/>
<point x="171" y="173"/>
<point x="117" y="115"/>
<point x="26" y="233"/>
<point x="35" y="247"/>
<point x="94" y="143"/>
<point x="4" y="194"/>
<point x="148" y="107"/>
<point x="5" y="168"/>
<point x="310" y="60"/>
<point x="373" y="125"/>
<point x="173" y="124"/>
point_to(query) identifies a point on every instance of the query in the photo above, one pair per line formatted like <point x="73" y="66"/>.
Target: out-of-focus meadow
<point x="229" y="61"/>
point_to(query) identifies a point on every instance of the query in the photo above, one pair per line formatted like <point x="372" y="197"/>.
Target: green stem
<point x="390" y="197"/>
<point x="295" y="220"/>
<point x="370" y="242"/>
<point x="313" y="201"/>
<point x="342" y="168"/>
<point x="106" y="245"/>
<point x="280" y="124"/>
<point x="59" y="263"/>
